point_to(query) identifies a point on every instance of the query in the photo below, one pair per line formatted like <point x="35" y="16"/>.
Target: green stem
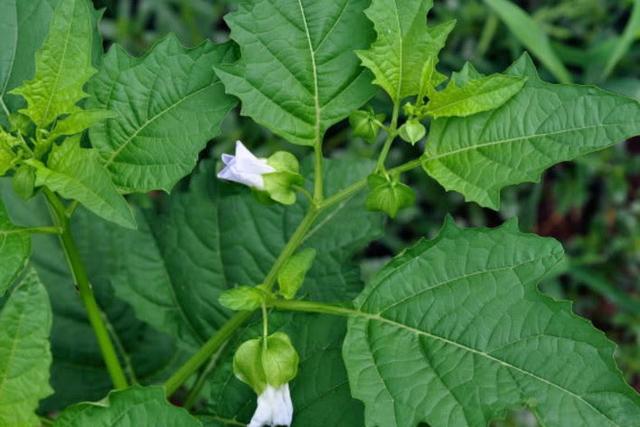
<point x="318" y="181"/>
<point x="314" y="307"/>
<point x="41" y="230"/>
<point x="81" y="279"/>
<point x="226" y="331"/>
<point x="4" y="108"/>
<point x="391" y="136"/>
<point x="46" y="421"/>
<point x="204" y="353"/>
<point x="194" y="393"/>
<point x="488" y="32"/>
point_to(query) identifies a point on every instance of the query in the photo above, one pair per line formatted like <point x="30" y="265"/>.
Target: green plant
<point x="220" y="282"/>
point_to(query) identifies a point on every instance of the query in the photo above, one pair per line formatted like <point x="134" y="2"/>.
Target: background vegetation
<point x="592" y="205"/>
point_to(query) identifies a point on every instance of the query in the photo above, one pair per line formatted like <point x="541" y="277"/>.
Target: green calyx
<point x="366" y="124"/>
<point x="281" y="184"/>
<point x="389" y="195"/>
<point x="258" y="363"/>
<point x="412" y="131"/>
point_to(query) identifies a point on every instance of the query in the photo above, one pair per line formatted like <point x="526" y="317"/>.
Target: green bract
<point x="292" y="274"/>
<point x="273" y="363"/>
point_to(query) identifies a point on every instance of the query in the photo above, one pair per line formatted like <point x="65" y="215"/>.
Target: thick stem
<point x="81" y="279"/>
<point x="205" y="352"/>
<point x="40" y="230"/>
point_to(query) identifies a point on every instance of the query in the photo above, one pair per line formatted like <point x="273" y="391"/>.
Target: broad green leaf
<point x="78" y="372"/>
<point x="454" y="332"/>
<point x="79" y="121"/>
<point x="134" y="407"/>
<point x="531" y="36"/>
<point x="298" y="74"/>
<point x="542" y="125"/>
<point x="24" y="26"/>
<point x="15" y="248"/>
<point x="215" y="236"/>
<point x="405" y="46"/>
<point x="63" y="64"/>
<point x="77" y="173"/>
<point x="477" y="95"/>
<point x="320" y="392"/>
<point x="25" y="324"/>
<point x="169" y="104"/>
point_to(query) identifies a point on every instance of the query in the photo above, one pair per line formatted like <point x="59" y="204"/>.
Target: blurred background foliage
<point x="592" y="205"/>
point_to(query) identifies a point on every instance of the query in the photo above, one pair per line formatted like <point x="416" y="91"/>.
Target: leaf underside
<point x="454" y="332"/>
<point x="298" y="74"/>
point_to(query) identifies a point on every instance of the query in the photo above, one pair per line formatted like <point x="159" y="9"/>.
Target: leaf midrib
<point x="316" y="98"/>
<point x="381" y="319"/>
<point x="148" y="122"/>
<point x="519" y="138"/>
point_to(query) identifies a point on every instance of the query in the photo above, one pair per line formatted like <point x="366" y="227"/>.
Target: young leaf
<point x="455" y="332"/>
<point x="135" y="406"/>
<point x="292" y="274"/>
<point x="542" y="125"/>
<point x="531" y="36"/>
<point x="63" y="64"/>
<point x="25" y="324"/>
<point x="298" y="74"/>
<point x="243" y="298"/>
<point x="478" y="95"/>
<point x="169" y="104"/>
<point x="405" y="47"/>
<point x="76" y="173"/>
<point x="15" y="247"/>
<point x="215" y="236"/>
<point x="24" y="26"/>
<point x="79" y="121"/>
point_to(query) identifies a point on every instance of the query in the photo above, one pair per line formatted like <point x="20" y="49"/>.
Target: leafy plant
<point x="233" y="293"/>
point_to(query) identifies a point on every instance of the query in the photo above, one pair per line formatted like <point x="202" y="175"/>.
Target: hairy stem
<point x="194" y="393"/>
<point x="81" y="279"/>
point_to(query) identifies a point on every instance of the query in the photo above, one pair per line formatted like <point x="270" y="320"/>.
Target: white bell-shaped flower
<point x="274" y="408"/>
<point x="245" y="168"/>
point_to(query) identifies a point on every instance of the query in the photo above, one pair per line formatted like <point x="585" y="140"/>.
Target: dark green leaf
<point x="298" y="74"/>
<point x="25" y="324"/>
<point x="15" y="248"/>
<point x="169" y="104"/>
<point x="454" y="332"/>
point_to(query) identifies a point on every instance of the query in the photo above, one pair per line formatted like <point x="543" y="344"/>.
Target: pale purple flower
<point x="244" y="168"/>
